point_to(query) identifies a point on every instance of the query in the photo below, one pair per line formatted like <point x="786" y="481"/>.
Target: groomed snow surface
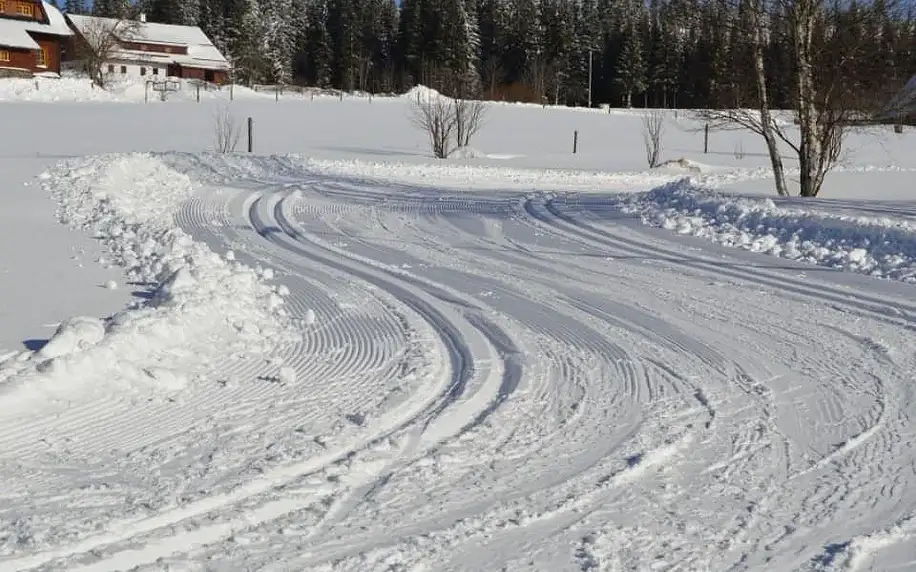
<point x="336" y="361"/>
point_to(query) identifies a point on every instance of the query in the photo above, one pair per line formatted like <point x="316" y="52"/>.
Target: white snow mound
<point x="204" y="308"/>
<point x="72" y="336"/>
<point x="422" y="94"/>
<point x="468" y="153"/>
<point x="880" y="247"/>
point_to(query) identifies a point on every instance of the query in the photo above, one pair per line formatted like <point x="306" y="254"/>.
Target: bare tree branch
<point x="99" y="39"/>
<point x="435" y="117"/>
<point x="653" y="123"/>
<point x="226" y="130"/>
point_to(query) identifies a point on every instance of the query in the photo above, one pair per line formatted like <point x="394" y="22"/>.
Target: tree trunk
<point x="809" y="149"/>
<point x="766" y="119"/>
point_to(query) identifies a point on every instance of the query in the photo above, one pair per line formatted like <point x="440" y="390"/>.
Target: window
<point x="110" y="68"/>
<point x="123" y="69"/>
<point x="24" y="9"/>
<point x="2" y="6"/>
<point x="155" y="71"/>
<point x="168" y="50"/>
<point x="142" y="71"/>
<point x="143" y="47"/>
<point x="43" y="57"/>
<point x="208" y="76"/>
<point x="4" y="56"/>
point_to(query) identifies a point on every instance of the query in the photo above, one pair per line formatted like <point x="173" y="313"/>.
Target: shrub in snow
<point x="449" y="123"/>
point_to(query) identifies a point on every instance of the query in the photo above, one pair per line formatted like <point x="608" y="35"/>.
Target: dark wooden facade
<point x="152" y="47"/>
<point x="45" y="59"/>
<point x="218" y="77"/>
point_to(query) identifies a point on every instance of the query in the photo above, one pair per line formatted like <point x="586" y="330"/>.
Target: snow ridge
<point x="201" y="307"/>
<point x="878" y="246"/>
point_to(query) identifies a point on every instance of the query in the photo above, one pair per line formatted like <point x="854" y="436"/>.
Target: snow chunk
<point x="467" y="153"/>
<point x="72" y="336"/>
<point x="287" y="375"/>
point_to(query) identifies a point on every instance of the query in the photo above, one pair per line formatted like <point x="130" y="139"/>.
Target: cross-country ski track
<point x="490" y="380"/>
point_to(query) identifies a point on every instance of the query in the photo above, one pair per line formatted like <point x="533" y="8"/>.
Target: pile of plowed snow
<point x="201" y="306"/>
<point x="881" y="247"/>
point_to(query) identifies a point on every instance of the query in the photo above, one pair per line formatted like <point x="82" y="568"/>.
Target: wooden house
<point x="32" y="38"/>
<point x="151" y="50"/>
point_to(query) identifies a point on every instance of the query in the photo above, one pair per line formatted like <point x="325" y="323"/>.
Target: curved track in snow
<point x="500" y="381"/>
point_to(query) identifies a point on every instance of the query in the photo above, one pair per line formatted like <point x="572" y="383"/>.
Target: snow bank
<point x="202" y="307"/>
<point x="421" y="93"/>
<point x="881" y="247"/>
<point x="78" y="88"/>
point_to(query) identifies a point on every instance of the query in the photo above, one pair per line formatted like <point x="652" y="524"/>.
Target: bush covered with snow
<point x="881" y="247"/>
<point x="204" y="307"/>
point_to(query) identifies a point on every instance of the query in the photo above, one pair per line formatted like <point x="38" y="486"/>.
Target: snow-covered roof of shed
<point x="14" y="33"/>
<point x="201" y="50"/>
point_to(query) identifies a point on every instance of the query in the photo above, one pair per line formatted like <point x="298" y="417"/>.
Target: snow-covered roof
<point x="56" y="25"/>
<point x="14" y="33"/>
<point x="201" y="51"/>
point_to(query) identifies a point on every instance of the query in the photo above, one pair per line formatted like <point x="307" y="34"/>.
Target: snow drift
<point x="878" y="246"/>
<point x="199" y="307"/>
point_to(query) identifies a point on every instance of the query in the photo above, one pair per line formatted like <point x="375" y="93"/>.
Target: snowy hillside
<point x="337" y="353"/>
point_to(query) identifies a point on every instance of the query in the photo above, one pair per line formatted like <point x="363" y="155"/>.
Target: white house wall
<point x="133" y="69"/>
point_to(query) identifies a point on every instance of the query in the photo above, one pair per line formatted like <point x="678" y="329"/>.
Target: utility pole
<point x="589" y="77"/>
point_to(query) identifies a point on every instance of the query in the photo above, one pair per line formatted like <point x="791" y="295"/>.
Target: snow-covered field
<point x="337" y="353"/>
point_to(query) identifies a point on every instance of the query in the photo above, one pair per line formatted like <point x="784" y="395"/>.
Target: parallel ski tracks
<point x="542" y="406"/>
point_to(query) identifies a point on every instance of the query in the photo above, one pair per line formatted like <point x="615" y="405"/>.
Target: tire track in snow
<point x="461" y="358"/>
<point x="874" y="434"/>
<point x="398" y="419"/>
<point x="860" y="302"/>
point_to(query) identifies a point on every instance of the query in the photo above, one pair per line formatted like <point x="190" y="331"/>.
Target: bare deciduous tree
<point x="653" y="125"/>
<point x="451" y="123"/>
<point x="468" y="116"/>
<point x="225" y="129"/>
<point x="98" y="40"/>
<point x="825" y="103"/>
<point x="434" y="116"/>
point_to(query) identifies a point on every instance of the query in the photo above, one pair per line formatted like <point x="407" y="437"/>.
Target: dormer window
<point x="25" y="9"/>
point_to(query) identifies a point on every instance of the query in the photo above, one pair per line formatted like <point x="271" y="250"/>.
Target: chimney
<point x="143" y="16"/>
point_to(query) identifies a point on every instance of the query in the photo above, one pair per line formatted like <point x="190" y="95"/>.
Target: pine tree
<point x="247" y="33"/>
<point x="111" y="8"/>
<point x="318" y="45"/>
<point x="631" y="63"/>
<point x="76" y="7"/>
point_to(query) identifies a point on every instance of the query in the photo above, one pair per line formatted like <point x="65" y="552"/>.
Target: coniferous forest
<point x="664" y="53"/>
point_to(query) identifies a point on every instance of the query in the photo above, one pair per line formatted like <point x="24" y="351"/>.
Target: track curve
<point x="491" y="380"/>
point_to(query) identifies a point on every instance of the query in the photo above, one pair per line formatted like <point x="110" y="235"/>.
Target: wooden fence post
<point x="250" y="134"/>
